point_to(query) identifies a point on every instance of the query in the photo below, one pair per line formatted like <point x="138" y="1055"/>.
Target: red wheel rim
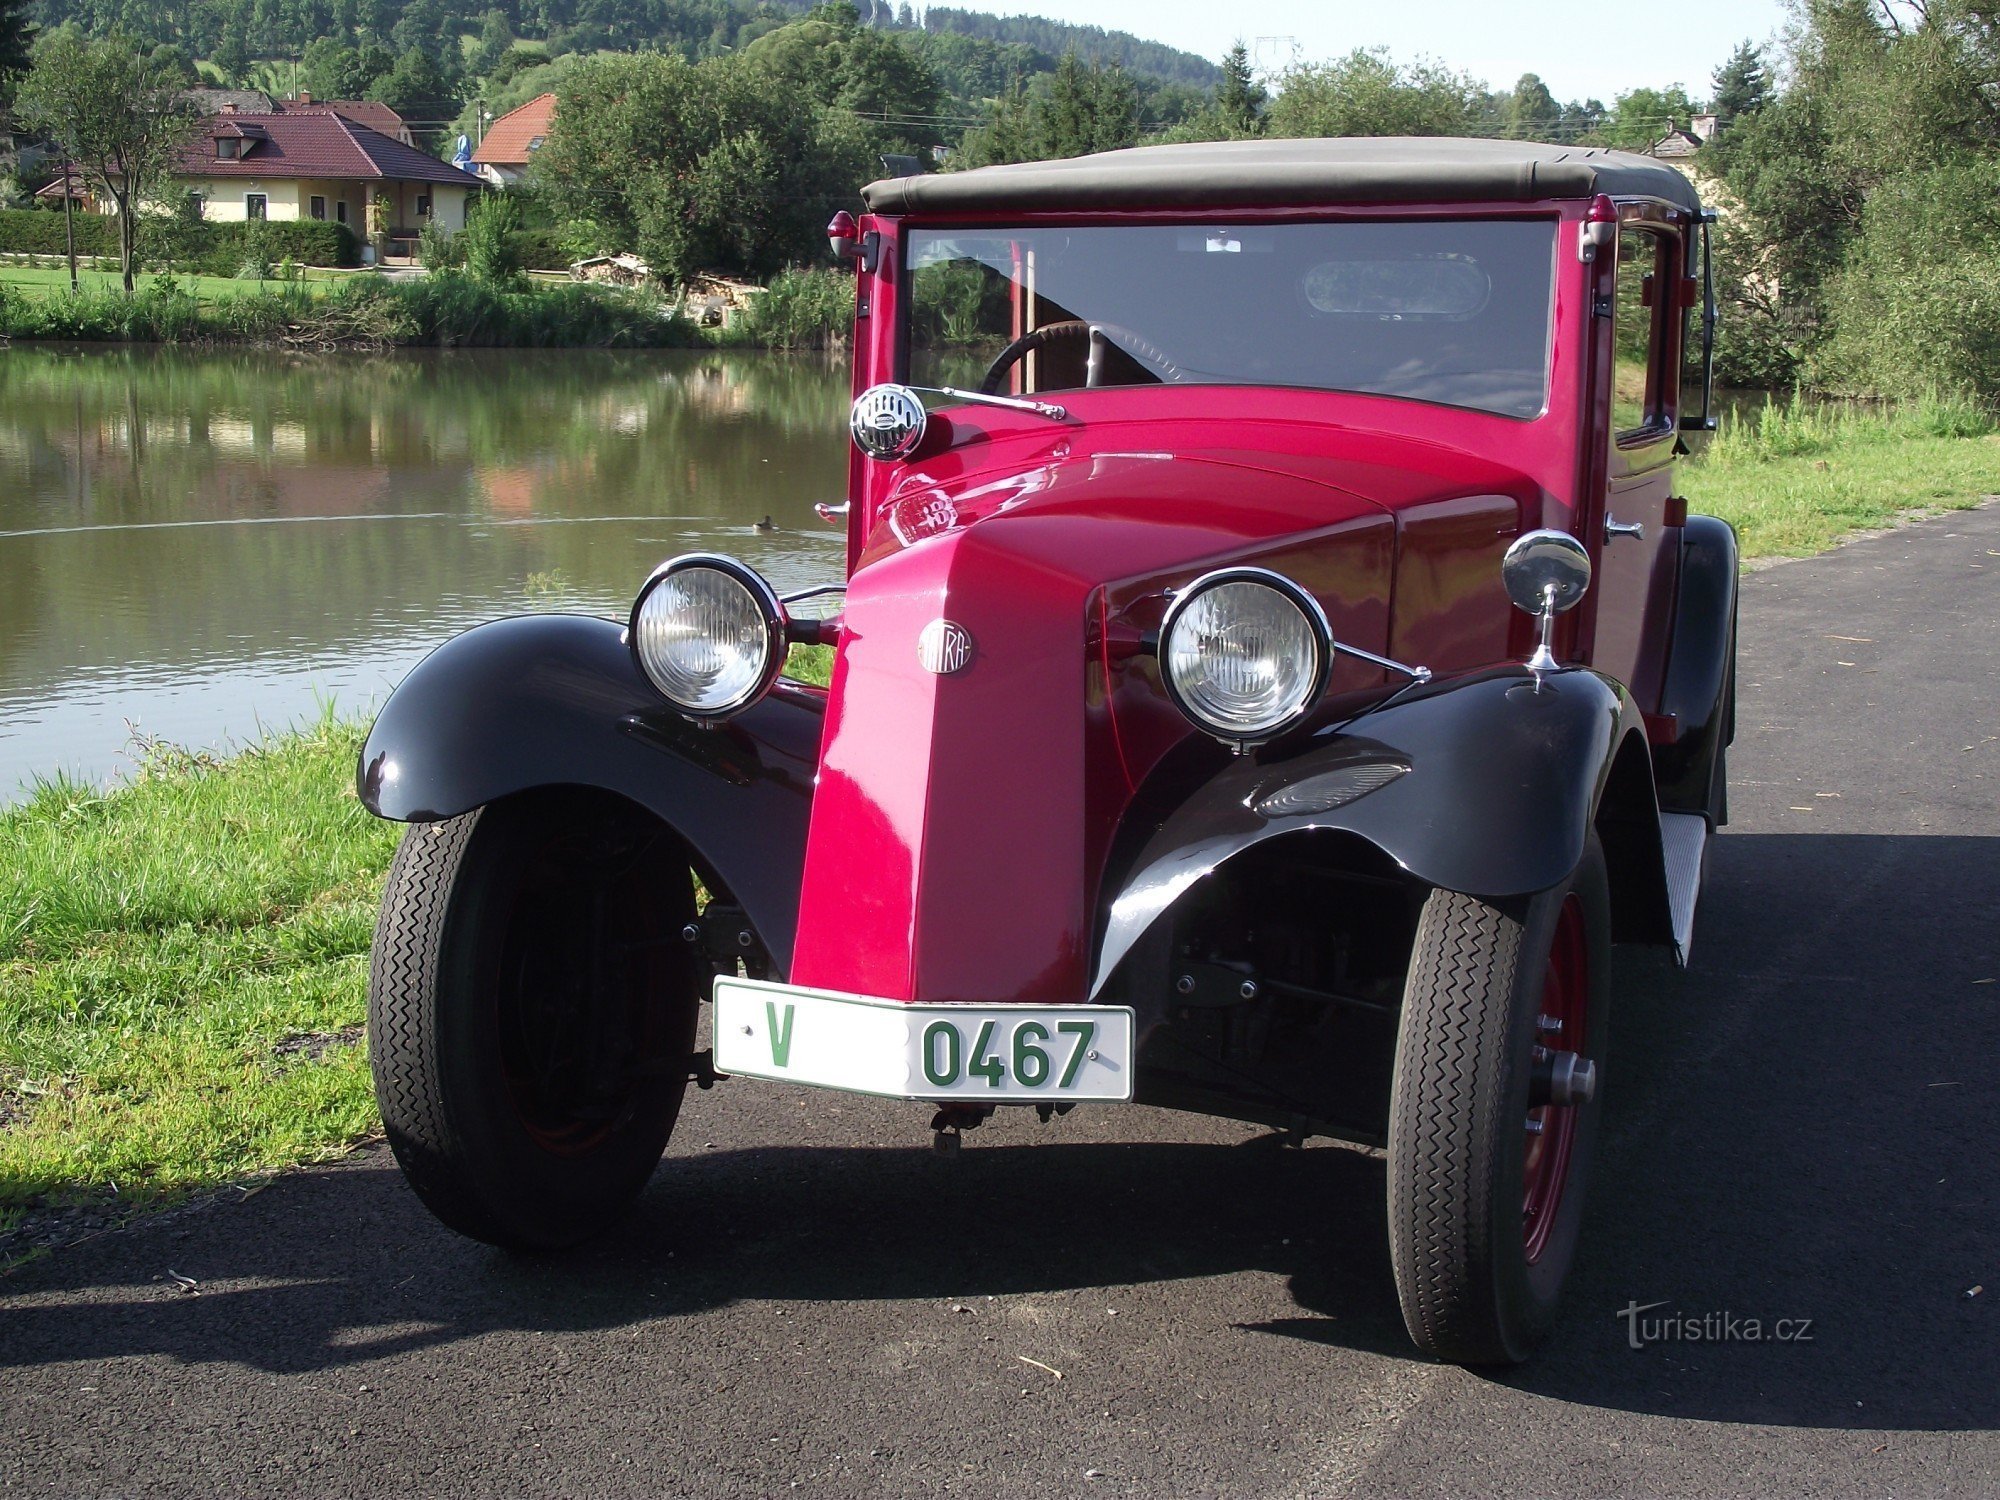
<point x="1564" y="1019"/>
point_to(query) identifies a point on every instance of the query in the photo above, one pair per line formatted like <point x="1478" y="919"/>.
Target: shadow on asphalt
<point x="1800" y="1127"/>
<point x="362" y="1272"/>
<point x="1803" y="1126"/>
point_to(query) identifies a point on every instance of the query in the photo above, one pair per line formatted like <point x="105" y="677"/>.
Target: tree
<point x="1642" y="116"/>
<point x="1531" y="112"/>
<point x="1093" y="108"/>
<point x="333" y="70"/>
<point x="495" y="37"/>
<point x="117" y="117"/>
<point x="16" y="40"/>
<point x="700" y="165"/>
<point x="1239" y="98"/>
<point x="1368" y="93"/>
<point x="232" y="53"/>
<point x="171" y="61"/>
<point x="417" y="89"/>
<point x="1742" y="85"/>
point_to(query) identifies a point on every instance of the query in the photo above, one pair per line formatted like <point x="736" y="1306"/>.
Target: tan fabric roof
<point x="1244" y="174"/>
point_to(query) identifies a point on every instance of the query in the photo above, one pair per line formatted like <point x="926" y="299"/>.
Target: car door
<point x="1638" y="526"/>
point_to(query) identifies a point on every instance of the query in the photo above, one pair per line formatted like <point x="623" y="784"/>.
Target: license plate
<point x="989" y="1053"/>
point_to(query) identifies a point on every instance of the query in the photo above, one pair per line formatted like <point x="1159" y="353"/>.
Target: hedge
<point x="36" y="231"/>
<point x="217" y="248"/>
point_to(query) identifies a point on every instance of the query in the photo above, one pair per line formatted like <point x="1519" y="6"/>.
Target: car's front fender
<point x="556" y="700"/>
<point x="1486" y="784"/>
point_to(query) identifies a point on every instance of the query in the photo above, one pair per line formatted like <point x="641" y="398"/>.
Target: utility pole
<point x="69" y="216"/>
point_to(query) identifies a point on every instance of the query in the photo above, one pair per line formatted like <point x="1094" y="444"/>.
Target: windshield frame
<point x="1549" y="212"/>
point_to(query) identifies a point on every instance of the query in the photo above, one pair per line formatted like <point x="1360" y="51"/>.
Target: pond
<point x="200" y="546"/>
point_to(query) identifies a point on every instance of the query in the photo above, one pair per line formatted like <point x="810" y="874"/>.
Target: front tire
<point x="531" y="1013"/>
<point x="1486" y="1179"/>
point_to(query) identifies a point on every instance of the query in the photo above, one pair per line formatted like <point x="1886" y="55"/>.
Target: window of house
<point x="197" y="205"/>
<point x="1638" y="395"/>
<point x="423" y="205"/>
<point x="255" y="205"/>
<point x="227" y="148"/>
<point x="340" y="211"/>
<point x="318" y="209"/>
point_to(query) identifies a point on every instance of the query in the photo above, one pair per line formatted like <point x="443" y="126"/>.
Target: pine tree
<point x="1531" y="112"/>
<point x="1239" y="98"/>
<point x="1742" y="84"/>
<point x="16" y="37"/>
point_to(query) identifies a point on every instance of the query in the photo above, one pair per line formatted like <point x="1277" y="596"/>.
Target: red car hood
<point x="961" y="820"/>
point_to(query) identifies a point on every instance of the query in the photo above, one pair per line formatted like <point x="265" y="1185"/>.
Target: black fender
<point x="1696" y="698"/>
<point x="557" y="700"/>
<point x="1486" y="784"/>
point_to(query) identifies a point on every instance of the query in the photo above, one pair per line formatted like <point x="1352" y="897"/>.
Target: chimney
<point x="1703" y="126"/>
<point x="229" y="106"/>
<point x="305" y="96"/>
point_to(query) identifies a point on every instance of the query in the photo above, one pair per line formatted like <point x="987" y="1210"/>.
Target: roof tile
<point x="510" y="140"/>
<point x="320" y="143"/>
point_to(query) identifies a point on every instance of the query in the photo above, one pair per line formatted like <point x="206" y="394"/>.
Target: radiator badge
<point x="945" y="646"/>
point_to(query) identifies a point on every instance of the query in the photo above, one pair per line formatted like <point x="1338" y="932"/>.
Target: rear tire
<point x="1483" y="1215"/>
<point x="531" y="1013"/>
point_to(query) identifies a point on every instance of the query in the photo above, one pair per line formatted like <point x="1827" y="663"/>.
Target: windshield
<point x="1454" y="311"/>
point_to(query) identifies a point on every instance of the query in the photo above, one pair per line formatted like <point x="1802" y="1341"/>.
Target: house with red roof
<point x="317" y="163"/>
<point x="511" y="141"/>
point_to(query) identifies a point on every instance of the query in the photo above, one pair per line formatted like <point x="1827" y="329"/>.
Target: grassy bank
<point x="1794" y="477"/>
<point x="359" y="311"/>
<point x="183" y="971"/>
<point x="181" y="961"/>
<point x="362" y="310"/>
<point x="49" y="281"/>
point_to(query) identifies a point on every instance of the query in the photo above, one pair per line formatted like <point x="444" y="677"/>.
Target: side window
<point x="1638" y="396"/>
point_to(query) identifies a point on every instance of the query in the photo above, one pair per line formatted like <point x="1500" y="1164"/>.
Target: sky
<point x="1581" y="48"/>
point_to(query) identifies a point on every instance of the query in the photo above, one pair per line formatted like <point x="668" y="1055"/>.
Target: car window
<point x="1638" y="396"/>
<point x="1449" y="311"/>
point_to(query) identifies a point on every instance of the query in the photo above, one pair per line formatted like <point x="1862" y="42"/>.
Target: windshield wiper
<point x="1012" y="403"/>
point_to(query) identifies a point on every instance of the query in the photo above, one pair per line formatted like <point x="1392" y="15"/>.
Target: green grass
<point x="161" y="941"/>
<point x="44" y="279"/>
<point x="1794" y="477"/>
<point x="157" y="943"/>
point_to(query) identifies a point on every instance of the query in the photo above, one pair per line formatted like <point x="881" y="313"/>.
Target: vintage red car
<point x="1268" y="690"/>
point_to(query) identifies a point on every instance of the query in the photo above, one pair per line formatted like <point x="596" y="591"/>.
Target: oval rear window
<point x="1431" y="286"/>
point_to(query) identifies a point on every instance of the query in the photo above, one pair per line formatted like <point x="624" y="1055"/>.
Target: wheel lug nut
<point x="1534" y="1126"/>
<point x="1548" y="1025"/>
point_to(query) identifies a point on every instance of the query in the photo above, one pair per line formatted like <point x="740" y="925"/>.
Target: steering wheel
<point x="1144" y="351"/>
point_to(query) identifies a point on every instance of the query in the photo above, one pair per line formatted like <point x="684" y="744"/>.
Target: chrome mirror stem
<point x="1544" y="659"/>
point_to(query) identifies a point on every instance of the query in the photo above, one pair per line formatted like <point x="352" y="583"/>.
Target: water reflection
<point x="201" y="544"/>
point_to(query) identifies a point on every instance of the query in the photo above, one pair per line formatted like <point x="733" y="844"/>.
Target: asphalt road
<point x="1802" y="1126"/>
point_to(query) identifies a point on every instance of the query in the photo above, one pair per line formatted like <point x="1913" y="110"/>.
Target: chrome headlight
<point x="709" y="633"/>
<point x="1244" y="653"/>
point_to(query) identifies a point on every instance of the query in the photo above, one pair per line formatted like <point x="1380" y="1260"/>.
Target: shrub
<point x="1915" y="306"/>
<point x="489" y="235"/>
<point x="802" y="310"/>
<point x="438" y="251"/>
<point x="36" y="231"/>
<point x="544" y="249"/>
<point x="217" y="248"/>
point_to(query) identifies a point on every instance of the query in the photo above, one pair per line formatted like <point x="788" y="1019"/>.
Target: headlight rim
<point x="1295" y="593"/>
<point x="777" y="627"/>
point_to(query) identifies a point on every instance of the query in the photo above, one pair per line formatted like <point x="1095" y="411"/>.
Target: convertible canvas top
<point x="1278" y="173"/>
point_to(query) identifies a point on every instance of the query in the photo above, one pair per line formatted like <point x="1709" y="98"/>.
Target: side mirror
<point x="1545" y="573"/>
